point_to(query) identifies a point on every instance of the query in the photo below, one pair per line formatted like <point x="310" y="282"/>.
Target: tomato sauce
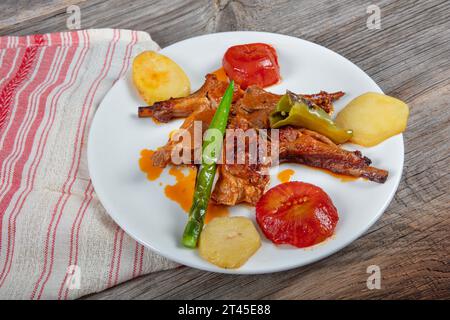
<point x="215" y="211"/>
<point x="146" y="165"/>
<point x="182" y="192"/>
<point x="341" y="177"/>
<point x="285" y="175"/>
<point x="221" y="75"/>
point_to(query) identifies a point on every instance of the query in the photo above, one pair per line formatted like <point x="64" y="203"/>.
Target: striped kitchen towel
<point x="56" y="240"/>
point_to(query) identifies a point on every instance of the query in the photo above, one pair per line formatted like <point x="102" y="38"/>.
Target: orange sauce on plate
<point x="221" y="75"/>
<point x="182" y="192"/>
<point x="341" y="177"/>
<point x="215" y="211"/>
<point x="285" y="175"/>
<point x="146" y="165"/>
<point x="183" y="189"/>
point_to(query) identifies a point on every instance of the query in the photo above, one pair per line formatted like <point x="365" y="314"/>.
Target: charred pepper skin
<point x="294" y="110"/>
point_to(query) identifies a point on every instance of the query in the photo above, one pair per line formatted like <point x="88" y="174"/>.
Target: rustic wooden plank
<point x="167" y="21"/>
<point x="408" y="58"/>
<point x="13" y="13"/>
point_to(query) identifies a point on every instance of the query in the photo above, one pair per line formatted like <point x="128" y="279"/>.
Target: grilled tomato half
<point x="252" y="64"/>
<point x="296" y="213"/>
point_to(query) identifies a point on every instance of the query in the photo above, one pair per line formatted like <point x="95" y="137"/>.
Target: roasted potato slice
<point x="229" y="242"/>
<point x="373" y="117"/>
<point x="158" y="78"/>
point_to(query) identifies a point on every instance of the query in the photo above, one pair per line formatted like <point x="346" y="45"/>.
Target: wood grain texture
<point x="409" y="58"/>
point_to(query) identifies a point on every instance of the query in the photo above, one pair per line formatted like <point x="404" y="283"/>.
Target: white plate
<point x="139" y="206"/>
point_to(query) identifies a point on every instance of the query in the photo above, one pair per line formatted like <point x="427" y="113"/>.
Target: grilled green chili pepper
<point x="296" y="111"/>
<point x="210" y="152"/>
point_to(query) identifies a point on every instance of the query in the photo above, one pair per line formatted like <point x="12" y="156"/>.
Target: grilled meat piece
<point x="324" y="99"/>
<point x="239" y="183"/>
<point x="312" y="149"/>
<point x="243" y="179"/>
<point x="252" y="110"/>
<point x="212" y="91"/>
<point x="209" y="94"/>
<point x="163" y="156"/>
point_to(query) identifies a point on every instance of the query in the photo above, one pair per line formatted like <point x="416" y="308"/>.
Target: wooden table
<point x="409" y="57"/>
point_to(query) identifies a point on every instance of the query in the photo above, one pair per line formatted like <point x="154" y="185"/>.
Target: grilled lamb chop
<point x="313" y="149"/>
<point x="212" y="91"/>
<point x="247" y="182"/>
<point x="251" y="109"/>
<point x="208" y="95"/>
<point x="239" y="183"/>
<point x="163" y="156"/>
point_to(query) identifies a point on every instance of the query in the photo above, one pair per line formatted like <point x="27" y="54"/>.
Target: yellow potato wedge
<point x="158" y="78"/>
<point x="228" y="242"/>
<point x="373" y="117"/>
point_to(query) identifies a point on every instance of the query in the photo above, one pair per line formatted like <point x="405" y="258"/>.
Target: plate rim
<point x="210" y="267"/>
